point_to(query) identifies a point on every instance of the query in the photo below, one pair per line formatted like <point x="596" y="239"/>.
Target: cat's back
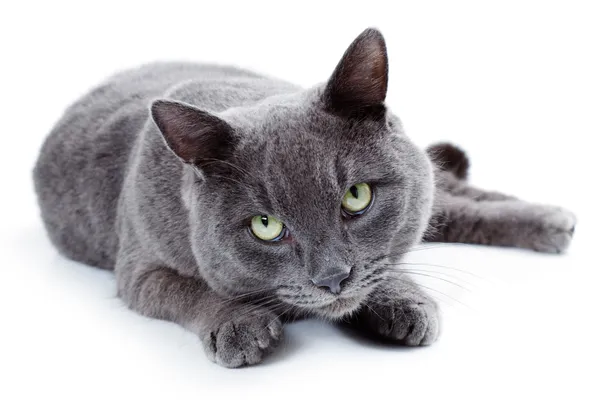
<point x="79" y="174"/>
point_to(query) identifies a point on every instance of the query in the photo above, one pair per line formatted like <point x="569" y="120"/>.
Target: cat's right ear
<point x="195" y="136"/>
<point x="359" y="82"/>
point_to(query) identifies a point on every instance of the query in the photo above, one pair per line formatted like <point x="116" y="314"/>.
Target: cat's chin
<point x="341" y="307"/>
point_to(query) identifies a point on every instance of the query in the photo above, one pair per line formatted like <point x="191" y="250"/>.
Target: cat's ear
<point x="360" y="79"/>
<point x="195" y="136"/>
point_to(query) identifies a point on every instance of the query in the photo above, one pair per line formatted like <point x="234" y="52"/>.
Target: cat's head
<point x="303" y="196"/>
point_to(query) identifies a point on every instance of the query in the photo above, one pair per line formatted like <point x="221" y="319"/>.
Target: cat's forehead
<point x="305" y="156"/>
<point x="311" y="133"/>
<point x="306" y="159"/>
<point x="310" y="149"/>
<point x="311" y="166"/>
<point x="310" y="145"/>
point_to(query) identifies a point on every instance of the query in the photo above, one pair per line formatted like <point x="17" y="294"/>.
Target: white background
<point x="516" y="83"/>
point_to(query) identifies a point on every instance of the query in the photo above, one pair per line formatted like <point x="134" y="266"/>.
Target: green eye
<point x="267" y="228"/>
<point x="357" y="199"/>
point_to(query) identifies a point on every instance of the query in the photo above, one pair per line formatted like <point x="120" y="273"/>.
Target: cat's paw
<point x="413" y="321"/>
<point x="552" y="229"/>
<point x="243" y="341"/>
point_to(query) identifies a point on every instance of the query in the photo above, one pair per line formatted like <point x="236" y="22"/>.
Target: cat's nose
<point x="332" y="279"/>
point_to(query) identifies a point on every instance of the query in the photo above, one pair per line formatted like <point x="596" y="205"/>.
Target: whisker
<point x="435" y="265"/>
<point x="441" y="273"/>
<point x="249" y="311"/>
<point x="278" y="316"/>
<point x="244" y="185"/>
<point x="375" y="312"/>
<point x="427" y="247"/>
<point x="240" y="296"/>
<point x="238" y="168"/>
<point x="255" y="305"/>
<point x="371" y="282"/>
<point x="438" y="278"/>
<point x="246" y="303"/>
<point x="445" y="295"/>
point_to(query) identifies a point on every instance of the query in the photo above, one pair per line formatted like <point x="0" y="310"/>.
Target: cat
<point x="227" y="201"/>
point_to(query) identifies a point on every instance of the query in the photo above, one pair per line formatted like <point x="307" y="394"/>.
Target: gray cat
<point x="227" y="201"/>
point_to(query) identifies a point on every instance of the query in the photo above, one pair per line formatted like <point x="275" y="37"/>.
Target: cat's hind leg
<point x="448" y="183"/>
<point x="508" y="222"/>
<point x="467" y="214"/>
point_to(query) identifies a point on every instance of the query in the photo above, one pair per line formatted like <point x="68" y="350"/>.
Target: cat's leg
<point x="233" y="334"/>
<point x="400" y="311"/>
<point x="502" y="223"/>
<point x="448" y="183"/>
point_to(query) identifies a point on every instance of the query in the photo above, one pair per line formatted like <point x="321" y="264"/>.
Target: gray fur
<point x="162" y="192"/>
<point x="466" y="214"/>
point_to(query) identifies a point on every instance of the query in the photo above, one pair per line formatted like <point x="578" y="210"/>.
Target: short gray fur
<point x="168" y="209"/>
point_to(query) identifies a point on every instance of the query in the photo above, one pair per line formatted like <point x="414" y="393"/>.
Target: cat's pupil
<point x="265" y="220"/>
<point x="354" y="192"/>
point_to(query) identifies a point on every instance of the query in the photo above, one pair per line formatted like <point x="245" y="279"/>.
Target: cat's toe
<point x="416" y="323"/>
<point x="241" y="342"/>
<point x="556" y="231"/>
<point x="407" y="321"/>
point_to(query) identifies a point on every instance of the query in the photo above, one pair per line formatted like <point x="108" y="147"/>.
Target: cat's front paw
<point x="551" y="230"/>
<point x="413" y="320"/>
<point x="243" y="341"/>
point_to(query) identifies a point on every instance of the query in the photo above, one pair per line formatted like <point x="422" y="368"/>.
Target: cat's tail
<point x="449" y="158"/>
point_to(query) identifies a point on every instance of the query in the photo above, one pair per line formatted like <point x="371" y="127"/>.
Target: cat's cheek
<point x="378" y="229"/>
<point x="244" y="263"/>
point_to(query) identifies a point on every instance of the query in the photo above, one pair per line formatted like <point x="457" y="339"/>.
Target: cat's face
<point x="307" y="196"/>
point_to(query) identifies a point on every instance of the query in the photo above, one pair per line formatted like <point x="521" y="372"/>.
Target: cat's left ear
<point x="197" y="137"/>
<point x="360" y="80"/>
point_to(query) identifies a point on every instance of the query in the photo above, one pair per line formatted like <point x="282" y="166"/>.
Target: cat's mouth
<point x="334" y="308"/>
<point x="341" y="307"/>
<point x="322" y="303"/>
